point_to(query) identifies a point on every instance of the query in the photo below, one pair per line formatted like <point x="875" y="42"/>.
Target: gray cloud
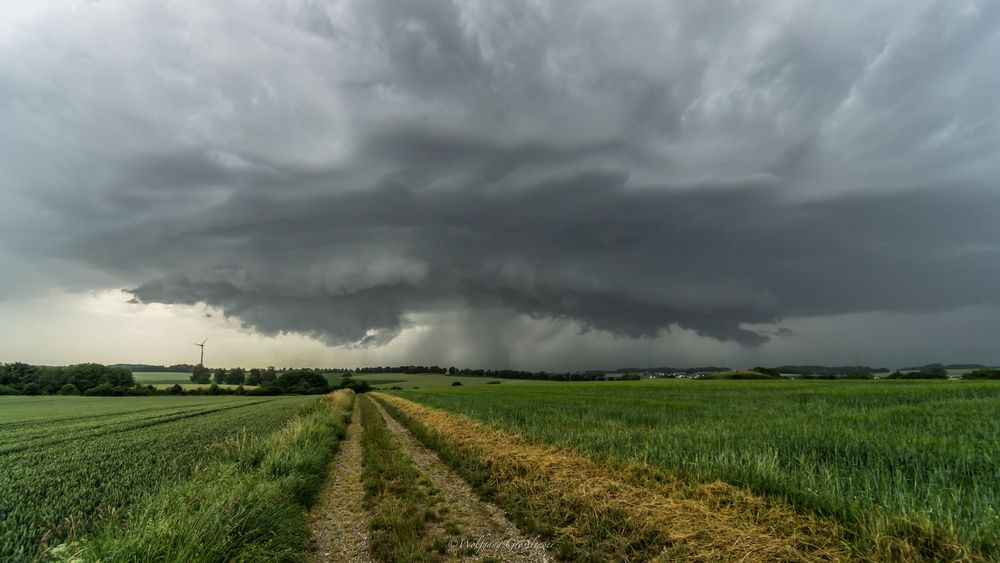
<point x="350" y="169"/>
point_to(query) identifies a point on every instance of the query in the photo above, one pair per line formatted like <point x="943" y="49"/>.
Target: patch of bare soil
<point x="483" y="530"/>
<point x="339" y="521"/>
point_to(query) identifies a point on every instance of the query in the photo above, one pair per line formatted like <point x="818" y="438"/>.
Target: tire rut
<point x="486" y="532"/>
<point x="339" y="521"/>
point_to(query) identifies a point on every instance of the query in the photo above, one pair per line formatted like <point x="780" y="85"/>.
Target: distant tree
<point x="69" y="389"/>
<point x="983" y="373"/>
<point x="236" y="376"/>
<point x="930" y="373"/>
<point x="220" y="376"/>
<point x="176" y="389"/>
<point x="348" y="382"/>
<point x="452" y="370"/>
<point x="268" y="376"/>
<point x="767" y="371"/>
<point x="302" y="381"/>
<point x="859" y="375"/>
<point x="253" y="376"/>
<point x="201" y="374"/>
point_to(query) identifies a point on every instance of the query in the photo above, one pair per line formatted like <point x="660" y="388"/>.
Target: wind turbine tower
<point x="202" y="346"/>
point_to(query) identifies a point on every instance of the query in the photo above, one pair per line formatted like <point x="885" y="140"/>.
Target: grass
<point x="248" y="506"/>
<point x="595" y="511"/>
<point x="66" y="461"/>
<point x="399" y="498"/>
<point x="909" y="466"/>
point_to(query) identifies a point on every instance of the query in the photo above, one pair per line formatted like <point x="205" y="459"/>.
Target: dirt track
<point x="339" y="521"/>
<point x="485" y="529"/>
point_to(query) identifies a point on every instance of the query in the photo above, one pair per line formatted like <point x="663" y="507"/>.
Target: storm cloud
<point x="347" y="170"/>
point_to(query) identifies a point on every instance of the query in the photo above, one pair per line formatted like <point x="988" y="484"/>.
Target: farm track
<point x="339" y="521"/>
<point x="479" y="521"/>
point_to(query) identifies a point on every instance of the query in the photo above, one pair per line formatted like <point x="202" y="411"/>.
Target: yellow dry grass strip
<point x="597" y="512"/>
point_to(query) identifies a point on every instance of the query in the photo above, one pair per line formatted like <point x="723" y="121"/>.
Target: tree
<point x="201" y="374"/>
<point x="269" y="375"/>
<point x="176" y="389"/>
<point x="302" y="381"/>
<point x="220" y="376"/>
<point x="236" y="376"/>
<point x="983" y="373"/>
<point x="253" y="376"/>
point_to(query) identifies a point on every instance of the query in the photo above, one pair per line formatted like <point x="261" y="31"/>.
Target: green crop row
<point x="249" y="505"/>
<point x="84" y="458"/>
<point x="913" y="462"/>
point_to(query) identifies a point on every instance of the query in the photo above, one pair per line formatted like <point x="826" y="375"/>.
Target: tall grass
<point x="911" y="467"/>
<point x="250" y="506"/>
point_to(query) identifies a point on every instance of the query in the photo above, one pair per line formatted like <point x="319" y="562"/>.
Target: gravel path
<point x="485" y="530"/>
<point x="339" y="521"/>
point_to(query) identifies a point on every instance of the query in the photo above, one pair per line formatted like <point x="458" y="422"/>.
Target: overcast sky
<point x="529" y="184"/>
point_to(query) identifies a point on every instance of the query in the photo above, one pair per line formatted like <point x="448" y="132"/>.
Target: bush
<point x="933" y="373"/>
<point x="105" y="390"/>
<point x="69" y="389"/>
<point x="456" y="384"/>
<point x="355" y="385"/>
<point x="302" y="381"/>
<point x="859" y="375"/>
<point x="269" y="389"/>
<point x="983" y="373"/>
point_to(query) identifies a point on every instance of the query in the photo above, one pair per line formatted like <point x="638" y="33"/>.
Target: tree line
<point x="88" y="379"/>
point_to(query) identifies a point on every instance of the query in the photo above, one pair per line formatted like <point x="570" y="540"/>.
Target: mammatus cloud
<point x="350" y="169"/>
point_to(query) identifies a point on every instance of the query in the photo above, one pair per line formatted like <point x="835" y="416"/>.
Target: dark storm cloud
<point x="627" y="260"/>
<point x="339" y="169"/>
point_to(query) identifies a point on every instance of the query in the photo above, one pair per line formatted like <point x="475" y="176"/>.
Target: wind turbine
<point x="202" y="346"/>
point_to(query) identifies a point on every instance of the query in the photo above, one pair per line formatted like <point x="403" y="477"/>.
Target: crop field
<point x="66" y="461"/>
<point x="161" y="377"/>
<point x="167" y="379"/>
<point x="893" y="461"/>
